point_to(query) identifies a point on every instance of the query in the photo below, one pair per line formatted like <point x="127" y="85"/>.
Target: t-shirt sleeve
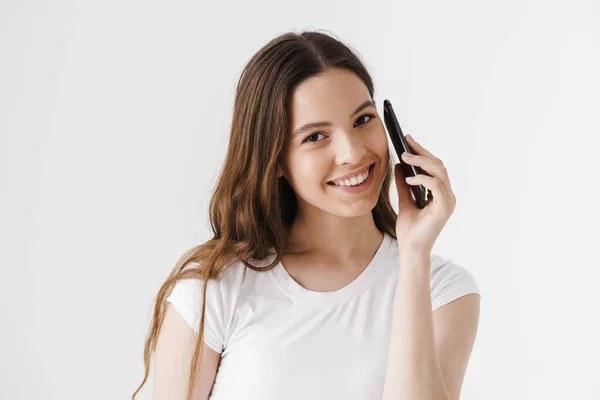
<point x="186" y="297"/>
<point x="449" y="281"/>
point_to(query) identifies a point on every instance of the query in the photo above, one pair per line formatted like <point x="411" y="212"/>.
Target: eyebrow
<point x="313" y="125"/>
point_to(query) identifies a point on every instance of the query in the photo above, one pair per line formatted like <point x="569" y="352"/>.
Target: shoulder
<point x="450" y="281"/>
<point x="222" y="296"/>
<point x="234" y="281"/>
<point x="218" y="289"/>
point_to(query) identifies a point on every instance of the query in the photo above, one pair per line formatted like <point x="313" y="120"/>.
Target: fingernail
<point x="410" y="178"/>
<point x="409" y="137"/>
<point x="407" y="154"/>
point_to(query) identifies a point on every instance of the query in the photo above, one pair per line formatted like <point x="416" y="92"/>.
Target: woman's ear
<point x="279" y="171"/>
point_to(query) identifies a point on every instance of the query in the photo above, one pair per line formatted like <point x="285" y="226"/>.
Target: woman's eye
<point x="311" y="135"/>
<point x="371" y="116"/>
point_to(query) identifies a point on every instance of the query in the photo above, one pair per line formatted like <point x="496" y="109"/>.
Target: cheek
<point x="308" y="169"/>
<point x="315" y="168"/>
<point x="380" y="142"/>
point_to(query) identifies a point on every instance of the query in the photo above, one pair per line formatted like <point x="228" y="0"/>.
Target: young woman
<point x="312" y="287"/>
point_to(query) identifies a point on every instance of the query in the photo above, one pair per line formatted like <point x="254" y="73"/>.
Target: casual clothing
<point x="279" y="340"/>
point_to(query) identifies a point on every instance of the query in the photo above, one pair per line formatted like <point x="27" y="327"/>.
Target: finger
<point x="440" y="195"/>
<point x="404" y="193"/>
<point x="422" y="150"/>
<point x="429" y="166"/>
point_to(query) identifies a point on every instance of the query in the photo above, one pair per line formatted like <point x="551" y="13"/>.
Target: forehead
<point x="326" y="97"/>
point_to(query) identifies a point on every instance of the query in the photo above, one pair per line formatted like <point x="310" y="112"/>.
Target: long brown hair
<point x="251" y="208"/>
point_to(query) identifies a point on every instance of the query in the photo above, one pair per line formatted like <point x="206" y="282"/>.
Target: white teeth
<point x="353" y="181"/>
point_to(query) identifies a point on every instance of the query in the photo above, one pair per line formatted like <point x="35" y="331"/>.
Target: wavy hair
<point x="251" y="208"/>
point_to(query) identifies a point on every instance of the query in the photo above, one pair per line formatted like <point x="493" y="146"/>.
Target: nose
<point x="349" y="149"/>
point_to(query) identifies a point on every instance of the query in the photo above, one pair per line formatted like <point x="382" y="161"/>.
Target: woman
<point x="310" y="289"/>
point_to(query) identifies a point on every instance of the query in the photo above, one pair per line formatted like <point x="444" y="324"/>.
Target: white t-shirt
<point x="279" y="340"/>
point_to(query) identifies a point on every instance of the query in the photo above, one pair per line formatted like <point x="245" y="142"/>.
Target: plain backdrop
<point x="114" y="121"/>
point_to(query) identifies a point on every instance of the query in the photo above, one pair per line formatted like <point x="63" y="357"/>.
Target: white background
<point x="114" y="121"/>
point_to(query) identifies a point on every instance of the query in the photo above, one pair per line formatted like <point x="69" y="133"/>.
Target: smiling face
<point x="352" y="137"/>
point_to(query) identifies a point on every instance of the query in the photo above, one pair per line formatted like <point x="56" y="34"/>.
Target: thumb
<point x="404" y="193"/>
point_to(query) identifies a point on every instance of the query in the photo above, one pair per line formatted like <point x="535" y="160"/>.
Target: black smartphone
<point x="421" y="194"/>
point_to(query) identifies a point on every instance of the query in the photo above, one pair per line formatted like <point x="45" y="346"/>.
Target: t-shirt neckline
<point x="351" y="290"/>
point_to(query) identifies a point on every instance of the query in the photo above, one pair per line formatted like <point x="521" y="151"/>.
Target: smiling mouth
<point x="371" y="168"/>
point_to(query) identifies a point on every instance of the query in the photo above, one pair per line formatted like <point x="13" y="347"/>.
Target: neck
<point x="334" y="237"/>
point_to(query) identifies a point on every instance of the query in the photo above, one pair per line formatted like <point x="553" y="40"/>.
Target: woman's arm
<point x="172" y="360"/>
<point x="414" y="369"/>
